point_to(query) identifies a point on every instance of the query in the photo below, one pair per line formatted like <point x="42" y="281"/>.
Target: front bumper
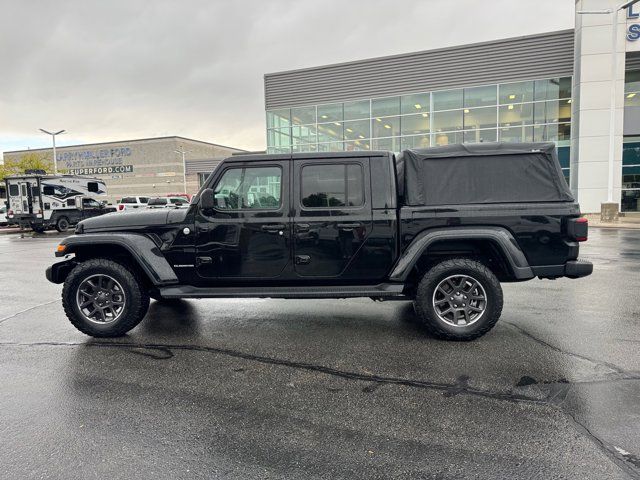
<point x="57" y="273"/>
<point x="571" y="269"/>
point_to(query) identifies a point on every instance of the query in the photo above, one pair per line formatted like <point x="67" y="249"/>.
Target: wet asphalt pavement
<point x="325" y="389"/>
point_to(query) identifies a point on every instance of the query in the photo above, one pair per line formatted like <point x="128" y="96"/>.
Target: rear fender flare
<point x="143" y="250"/>
<point x="501" y="237"/>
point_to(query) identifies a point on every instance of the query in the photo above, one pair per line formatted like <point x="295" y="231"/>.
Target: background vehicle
<point x="53" y="201"/>
<point x="131" y="203"/>
<point x="3" y="216"/>
<point x="167" y="202"/>
<point x="440" y="226"/>
<point x="186" y="196"/>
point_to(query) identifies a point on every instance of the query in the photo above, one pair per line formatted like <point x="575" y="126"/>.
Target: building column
<point x="593" y="80"/>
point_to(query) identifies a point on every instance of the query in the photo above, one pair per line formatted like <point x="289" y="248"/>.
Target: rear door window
<point x="335" y="185"/>
<point x="13" y="190"/>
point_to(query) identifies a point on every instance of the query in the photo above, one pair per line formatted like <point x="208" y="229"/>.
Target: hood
<point x="132" y="220"/>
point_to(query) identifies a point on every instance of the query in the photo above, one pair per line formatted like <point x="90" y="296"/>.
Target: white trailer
<point x="53" y="201"/>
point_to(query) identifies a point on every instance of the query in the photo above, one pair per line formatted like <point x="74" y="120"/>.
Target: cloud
<point x="128" y="69"/>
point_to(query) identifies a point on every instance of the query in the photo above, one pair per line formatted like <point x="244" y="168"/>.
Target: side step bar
<point x="387" y="291"/>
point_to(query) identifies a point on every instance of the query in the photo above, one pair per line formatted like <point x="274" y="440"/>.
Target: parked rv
<point x="41" y="202"/>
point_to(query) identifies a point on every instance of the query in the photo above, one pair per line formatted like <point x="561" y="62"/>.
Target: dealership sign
<point x="99" y="160"/>
<point x="633" y="30"/>
<point x="112" y="169"/>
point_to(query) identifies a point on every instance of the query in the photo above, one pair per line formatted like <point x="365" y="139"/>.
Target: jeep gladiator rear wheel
<point x="459" y="299"/>
<point x="103" y="298"/>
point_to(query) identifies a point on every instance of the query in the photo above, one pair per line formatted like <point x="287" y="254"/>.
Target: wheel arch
<point x="496" y="243"/>
<point x="134" y="250"/>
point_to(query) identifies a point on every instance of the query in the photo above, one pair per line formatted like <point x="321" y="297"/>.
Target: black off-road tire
<point x="425" y="308"/>
<point x="136" y="303"/>
<point x="62" y="225"/>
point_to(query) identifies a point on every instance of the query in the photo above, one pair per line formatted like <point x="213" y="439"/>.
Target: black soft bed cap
<point x="499" y="172"/>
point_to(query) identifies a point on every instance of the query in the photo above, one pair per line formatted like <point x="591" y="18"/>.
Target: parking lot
<point x="325" y="388"/>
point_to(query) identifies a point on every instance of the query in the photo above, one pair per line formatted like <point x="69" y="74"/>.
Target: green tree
<point x="27" y="161"/>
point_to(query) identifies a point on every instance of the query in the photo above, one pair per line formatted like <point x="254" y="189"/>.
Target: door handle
<point x="274" y="227"/>
<point x="203" y="228"/>
<point x="302" y="227"/>
<point x="348" y="226"/>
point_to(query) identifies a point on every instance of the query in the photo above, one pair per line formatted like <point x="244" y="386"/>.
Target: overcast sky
<point x="126" y="69"/>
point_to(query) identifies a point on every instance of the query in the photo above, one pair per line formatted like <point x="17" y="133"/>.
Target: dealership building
<point x="146" y="167"/>
<point x="556" y="86"/>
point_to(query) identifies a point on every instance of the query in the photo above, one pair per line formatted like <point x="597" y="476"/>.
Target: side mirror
<point x="206" y="199"/>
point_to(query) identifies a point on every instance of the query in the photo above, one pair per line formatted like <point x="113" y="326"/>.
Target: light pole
<point x="183" y="152"/>
<point x="53" y="137"/>
<point x="614" y="68"/>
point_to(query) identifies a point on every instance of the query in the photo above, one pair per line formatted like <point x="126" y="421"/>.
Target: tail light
<point x="10" y="214"/>
<point x="120" y="207"/>
<point x="578" y="229"/>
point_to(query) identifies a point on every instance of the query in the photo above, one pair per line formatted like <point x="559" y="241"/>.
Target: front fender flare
<point x="500" y="236"/>
<point x="144" y="251"/>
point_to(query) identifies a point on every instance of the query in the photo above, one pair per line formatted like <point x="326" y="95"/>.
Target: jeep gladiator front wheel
<point x="103" y="298"/>
<point x="459" y="299"/>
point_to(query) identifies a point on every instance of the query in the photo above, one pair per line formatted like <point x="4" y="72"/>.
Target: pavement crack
<point x="460" y="387"/>
<point x="611" y="366"/>
<point x="2" y="320"/>
<point x="625" y="460"/>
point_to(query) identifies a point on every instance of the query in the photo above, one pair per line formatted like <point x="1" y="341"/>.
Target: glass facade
<point x="630" y="198"/>
<point x="536" y="110"/>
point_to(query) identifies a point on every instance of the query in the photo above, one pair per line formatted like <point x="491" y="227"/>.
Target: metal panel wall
<point x="522" y="58"/>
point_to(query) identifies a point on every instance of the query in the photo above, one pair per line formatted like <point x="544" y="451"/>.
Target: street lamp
<point x="53" y="137"/>
<point x="614" y="68"/>
<point x="183" y="152"/>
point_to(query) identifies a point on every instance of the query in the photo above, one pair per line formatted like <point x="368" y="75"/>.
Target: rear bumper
<point x="571" y="269"/>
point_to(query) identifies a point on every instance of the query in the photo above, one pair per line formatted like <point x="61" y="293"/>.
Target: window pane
<point x="249" y="188"/>
<point x="278" y="118"/>
<point x="552" y="132"/>
<point x="632" y="81"/>
<point x="280" y="137"/>
<point x="388" y="144"/>
<point x="632" y="99"/>
<point x="357" y="145"/>
<point x="356" y="110"/>
<point x="631" y="153"/>
<point x="552" y="88"/>
<point x="304" y="148"/>
<point x="330" y="113"/>
<point x="355" y="185"/>
<point x="476" y="136"/>
<point x="304" y="134"/>
<point x="447" y="138"/>
<point x="630" y="201"/>
<point x="447" y="99"/>
<point x="516" y="92"/>
<point x="385" y="127"/>
<point x="415" y="124"/>
<point x="551" y="112"/>
<point x="516" y="134"/>
<point x="480" y="96"/>
<point x="480" y="117"/>
<point x="331" y="147"/>
<point x="326" y="186"/>
<point x="381" y="107"/>
<point x="416" y="103"/>
<point x="303" y="115"/>
<point x="330" y="132"/>
<point x="417" y="141"/>
<point x="357" y="130"/>
<point x="510" y="115"/>
<point x="443" y="121"/>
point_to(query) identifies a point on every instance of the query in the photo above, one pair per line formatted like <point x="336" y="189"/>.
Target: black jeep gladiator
<point x="441" y="226"/>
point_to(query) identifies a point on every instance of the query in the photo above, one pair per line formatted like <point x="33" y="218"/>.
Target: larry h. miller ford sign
<point x="96" y="162"/>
